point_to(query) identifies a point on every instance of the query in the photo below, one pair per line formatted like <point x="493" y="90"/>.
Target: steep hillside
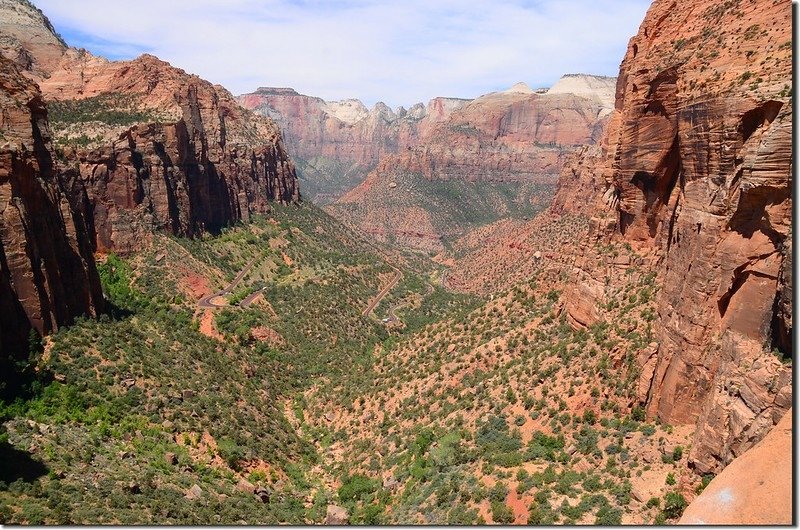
<point x="177" y="407"/>
<point x="506" y="414"/>
<point x="47" y="272"/>
<point x="156" y="148"/>
<point x="695" y="172"/>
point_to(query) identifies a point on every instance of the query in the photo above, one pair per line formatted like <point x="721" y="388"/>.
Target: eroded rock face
<point x="336" y="143"/>
<point x="28" y="38"/>
<point x="47" y="272"/>
<point x="502" y="136"/>
<point x="209" y="163"/>
<point x="696" y="168"/>
<point x="156" y="147"/>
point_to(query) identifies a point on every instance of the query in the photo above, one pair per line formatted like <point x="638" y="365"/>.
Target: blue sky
<point x="399" y="52"/>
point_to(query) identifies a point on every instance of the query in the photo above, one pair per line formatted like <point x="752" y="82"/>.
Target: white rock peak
<point x="519" y="88"/>
<point x="347" y="110"/>
<point x="599" y="88"/>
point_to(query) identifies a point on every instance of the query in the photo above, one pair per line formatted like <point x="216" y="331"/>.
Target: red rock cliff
<point x="514" y="137"/>
<point x="696" y="171"/>
<point x="502" y="136"/>
<point x="157" y="148"/>
<point x="47" y="273"/>
<point x="202" y="163"/>
<point x="337" y="143"/>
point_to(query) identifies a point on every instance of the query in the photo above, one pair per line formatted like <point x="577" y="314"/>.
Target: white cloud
<point x="397" y="52"/>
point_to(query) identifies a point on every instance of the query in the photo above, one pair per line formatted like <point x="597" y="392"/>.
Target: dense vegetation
<point x="290" y="399"/>
<point x="452" y="207"/>
<point x="110" y="109"/>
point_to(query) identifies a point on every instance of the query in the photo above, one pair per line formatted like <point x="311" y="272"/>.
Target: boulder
<point x="193" y="493"/>
<point x="245" y="486"/>
<point x="262" y="494"/>
<point x="336" y="515"/>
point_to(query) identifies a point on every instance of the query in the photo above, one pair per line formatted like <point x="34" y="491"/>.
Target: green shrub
<point x="498" y="492"/>
<point x="357" y="487"/>
<point x="501" y="513"/>
<point x="674" y="504"/>
<point x="608" y="516"/>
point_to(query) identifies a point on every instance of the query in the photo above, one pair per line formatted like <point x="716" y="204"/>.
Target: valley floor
<point x="290" y="371"/>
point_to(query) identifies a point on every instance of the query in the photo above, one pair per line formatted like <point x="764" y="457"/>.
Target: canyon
<point x="564" y="305"/>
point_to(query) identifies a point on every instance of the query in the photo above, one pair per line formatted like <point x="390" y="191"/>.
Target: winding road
<point x="392" y="316"/>
<point x="208" y="302"/>
<point x="211" y="301"/>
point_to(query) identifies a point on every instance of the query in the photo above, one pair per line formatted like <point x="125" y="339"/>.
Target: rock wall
<point x="28" y="38"/>
<point x="755" y="489"/>
<point x="47" y="272"/>
<point x="156" y="148"/>
<point x="696" y="172"/>
<point x="502" y="136"/>
<point x="496" y="156"/>
<point x="337" y="143"/>
<point x="202" y="164"/>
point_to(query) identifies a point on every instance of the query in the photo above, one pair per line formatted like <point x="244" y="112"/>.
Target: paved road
<point x="384" y="292"/>
<point x="392" y="316"/>
<point x="250" y="298"/>
<point x="208" y="302"/>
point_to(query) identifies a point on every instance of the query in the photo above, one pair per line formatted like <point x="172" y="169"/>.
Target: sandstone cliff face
<point x="495" y="155"/>
<point x="210" y="164"/>
<point x="696" y="174"/>
<point x="47" y="272"/>
<point x="505" y="136"/>
<point x="28" y="38"/>
<point x="337" y="143"/>
<point x="155" y="147"/>
<point x="755" y="489"/>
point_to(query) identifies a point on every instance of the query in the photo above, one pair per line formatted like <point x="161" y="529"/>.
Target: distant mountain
<point x="496" y="156"/>
<point x="336" y="143"/>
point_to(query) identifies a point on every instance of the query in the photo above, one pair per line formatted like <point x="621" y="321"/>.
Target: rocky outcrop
<point x="202" y="163"/>
<point x="598" y="88"/>
<point x="28" y="38"/>
<point x="47" y="273"/>
<point x="696" y="171"/>
<point x="156" y="148"/>
<point x="755" y="489"/>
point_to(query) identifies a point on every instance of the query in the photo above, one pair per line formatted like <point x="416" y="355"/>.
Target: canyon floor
<point x="290" y="370"/>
